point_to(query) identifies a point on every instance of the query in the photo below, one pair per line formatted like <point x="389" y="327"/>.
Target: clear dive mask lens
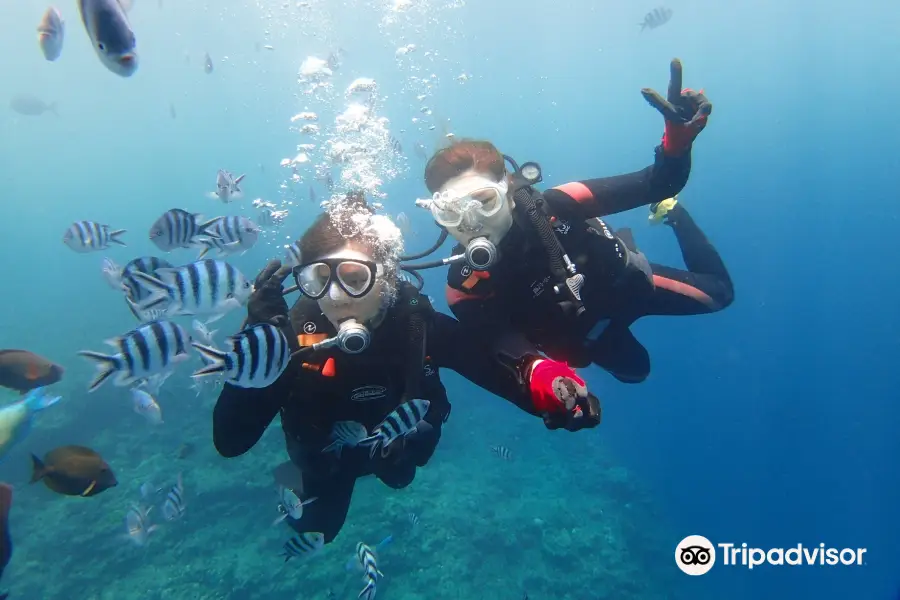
<point x="450" y="207"/>
<point x="355" y="277"/>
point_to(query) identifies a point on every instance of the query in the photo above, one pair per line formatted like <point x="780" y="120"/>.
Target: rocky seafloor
<point x="559" y="520"/>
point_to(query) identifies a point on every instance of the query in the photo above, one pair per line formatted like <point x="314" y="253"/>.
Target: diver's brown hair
<point x="324" y="236"/>
<point x="459" y="157"/>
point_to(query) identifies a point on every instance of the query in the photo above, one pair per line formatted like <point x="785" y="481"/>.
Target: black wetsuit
<point x="517" y="295"/>
<point x="324" y="387"/>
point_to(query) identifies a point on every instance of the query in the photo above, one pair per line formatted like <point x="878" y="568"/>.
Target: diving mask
<point x="355" y="277"/>
<point x="467" y="203"/>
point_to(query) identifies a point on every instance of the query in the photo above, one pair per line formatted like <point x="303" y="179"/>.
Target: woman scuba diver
<point x="541" y="270"/>
<point x="367" y="348"/>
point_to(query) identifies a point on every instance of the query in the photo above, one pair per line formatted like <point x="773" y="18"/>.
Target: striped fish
<point x="345" y="433"/>
<point x="233" y="234"/>
<point x="400" y="423"/>
<point x="227" y="187"/>
<point x="143" y="264"/>
<point x="302" y="545"/>
<point x="502" y="451"/>
<point x="290" y="505"/>
<point x="174" y="506"/>
<point x="136" y="524"/>
<point x="258" y="356"/>
<point x="656" y="18"/>
<point x="150" y="349"/>
<point x="292" y="254"/>
<point x="366" y="559"/>
<point x="206" y="287"/>
<point x="268" y="217"/>
<point x="88" y="236"/>
<point x="178" y="228"/>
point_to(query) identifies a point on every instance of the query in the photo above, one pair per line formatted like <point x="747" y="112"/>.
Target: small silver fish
<point x="208" y="64"/>
<point x="112" y="273"/>
<point x="204" y="334"/>
<point x="136" y="525"/>
<point x="227" y="187"/>
<point x="146" y="406"/>
<point x="51" y="31"/>
<point x="106" y="23"/>
<point x="290" y="504"/>
<point x="31" y="106"/>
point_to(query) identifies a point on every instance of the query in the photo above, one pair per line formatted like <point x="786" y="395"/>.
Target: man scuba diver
<point x="541" y="270"/>
<point x="367" y="348"/>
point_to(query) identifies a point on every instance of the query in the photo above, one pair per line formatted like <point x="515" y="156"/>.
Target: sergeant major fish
<point x="345" y="433"/>
<point x="366" y="558"/>
<point x="206" y="287"/>
<point x="399" y="423"/>
<point x="234" y="234"/>
<point x="290" y="504"/>
<point x="257" y="356"/>
<point x="656" y="18"/>
<point x="227" y="188"/>
<point x="88" y="236"/>
<point x="174" y="506"/>
<point x="178" y="228"/>
<point x="136" y="525"/>
<point x="142" y="352"/>
<point x="51" y="31"/>
<point x="146" y="406"/>
<point x="304" y="544"/>
<point x="110" y="33"/>
<point x="30" y="105"/>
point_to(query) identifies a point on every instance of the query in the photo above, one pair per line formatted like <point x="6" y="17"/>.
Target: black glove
<point x="685" y="112"/>
<point x="586" y="415"/>
<point x="267" y="303"/>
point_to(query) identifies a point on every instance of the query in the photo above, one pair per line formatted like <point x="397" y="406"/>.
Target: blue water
<point x="771" y="423"/>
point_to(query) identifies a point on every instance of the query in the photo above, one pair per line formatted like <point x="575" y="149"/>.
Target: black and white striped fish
<point x="178" y="228"/>
<point x="254" y="358"/>
<point x="143" y="264"/>
<point x="502" y="451"/>
<point x="137" y="525"/>
<point x="206" y="287"/>
<point x="413" y="519"/>
<point x="88" y="236"/>
<point x="152" y="348"/>
<point x="268" y="217"/>
<point x="345" y="433"/>
<point x="366" y="558"/>
<point x="302" y="545"/>
<point x="174" y="506"/>
<point x="400" y="423"/>
<point x="656" y="18"/>
<point x="227" y="187"/>
<point x="233" y="234"/>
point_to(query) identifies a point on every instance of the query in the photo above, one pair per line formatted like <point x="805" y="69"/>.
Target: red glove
<point x="685" y="111"/>
<point x="561" y="397"/>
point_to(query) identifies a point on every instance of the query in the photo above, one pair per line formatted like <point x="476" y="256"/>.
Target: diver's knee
<point x="398" y="476"/>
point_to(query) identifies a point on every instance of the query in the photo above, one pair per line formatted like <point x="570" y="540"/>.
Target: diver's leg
<point x="619" y="353"/>
<point x="327" y="513"/>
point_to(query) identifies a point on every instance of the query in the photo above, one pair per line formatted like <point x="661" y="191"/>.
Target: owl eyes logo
<point x="695" y="555"/>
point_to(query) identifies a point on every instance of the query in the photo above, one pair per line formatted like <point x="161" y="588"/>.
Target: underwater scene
<point x="449" y="299"/>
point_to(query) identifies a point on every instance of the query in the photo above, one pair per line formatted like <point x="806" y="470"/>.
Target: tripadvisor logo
<point x="696" y="555"/>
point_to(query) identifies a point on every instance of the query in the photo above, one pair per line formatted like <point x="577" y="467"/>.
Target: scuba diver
<point x="367" y="349"/>
<point x="541" y="271"/>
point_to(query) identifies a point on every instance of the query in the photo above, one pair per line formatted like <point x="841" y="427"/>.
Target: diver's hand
<point x="267" y="303"/>
<point x="685" y="111"/>
<point x="561" y="397"/>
